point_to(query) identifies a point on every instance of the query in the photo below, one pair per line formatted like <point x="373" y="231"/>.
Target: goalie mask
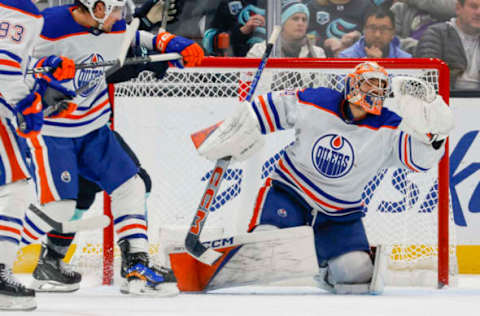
<point x="111" y="7"/>
<point x="378" y="83"/>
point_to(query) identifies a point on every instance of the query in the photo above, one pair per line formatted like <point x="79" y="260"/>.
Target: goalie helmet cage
<point x="221" y="79"/>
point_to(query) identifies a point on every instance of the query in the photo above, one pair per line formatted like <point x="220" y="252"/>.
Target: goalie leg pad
<point x="354" y="273"/>
<point x="254" y="258"/>
<point x="128" y="202"/>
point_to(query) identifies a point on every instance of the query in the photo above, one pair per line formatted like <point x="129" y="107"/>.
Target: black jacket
<point x="442" y="41"/>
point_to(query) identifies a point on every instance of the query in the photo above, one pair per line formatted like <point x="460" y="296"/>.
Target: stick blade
<point x="203" y="254"/>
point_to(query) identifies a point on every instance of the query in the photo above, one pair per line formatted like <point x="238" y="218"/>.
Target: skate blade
<point x="15" y="303"/>
<point x="139" y="288"/>
<point x="53" y="286"/>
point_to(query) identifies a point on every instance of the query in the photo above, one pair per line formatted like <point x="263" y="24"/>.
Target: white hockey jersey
<point x="63" y="36"/>
<point x="331" y="160"/>
<point x="20" y="24"/>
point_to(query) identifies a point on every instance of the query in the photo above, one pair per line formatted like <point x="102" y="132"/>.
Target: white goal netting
<point x="156" y="118"/>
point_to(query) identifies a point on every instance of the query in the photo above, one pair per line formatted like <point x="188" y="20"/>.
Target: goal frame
<point x="312" y="63"/>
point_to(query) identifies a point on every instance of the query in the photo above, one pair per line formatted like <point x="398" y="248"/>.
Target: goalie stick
<point x="193" y="244"/>
<point x="91" y="223"/>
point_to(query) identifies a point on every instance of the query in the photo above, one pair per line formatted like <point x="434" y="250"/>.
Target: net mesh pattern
<point x="400" y="205"/>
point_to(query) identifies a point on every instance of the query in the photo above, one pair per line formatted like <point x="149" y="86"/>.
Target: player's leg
<point x="279" y="206"/>
<point x="15" y="194"/>
<point x="346" y="265"/>
<point x="107" y="163"/>
<point x="56" y="177"/>
<point x="50" y="266"/>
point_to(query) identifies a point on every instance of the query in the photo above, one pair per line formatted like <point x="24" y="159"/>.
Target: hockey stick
<point x="128" y="61"/>
<point x="193" y="244"/>
<point x="163" y="26"/>
<point x="91" y="223"/>
<point x="116" y="65"/>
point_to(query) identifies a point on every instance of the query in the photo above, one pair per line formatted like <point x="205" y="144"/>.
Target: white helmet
<point x="110" y="6"/>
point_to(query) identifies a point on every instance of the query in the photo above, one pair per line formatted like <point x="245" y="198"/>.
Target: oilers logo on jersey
<point x="333" y="156"/>
<point x="88" y="76"/>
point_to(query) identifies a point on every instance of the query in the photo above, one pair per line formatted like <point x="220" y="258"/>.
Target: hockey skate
<point x="142" y="278"/>
<point x="52" y="274"/>
<point x="14" y="296"/>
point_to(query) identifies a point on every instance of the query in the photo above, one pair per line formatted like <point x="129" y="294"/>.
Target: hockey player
<point x="342" y="140"/>
<point x="52" y="274"/>
<point x="21" y="25"/>
<point x="81" y="144"/>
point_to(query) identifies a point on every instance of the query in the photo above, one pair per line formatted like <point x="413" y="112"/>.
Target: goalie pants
<point x="279" y="205"/>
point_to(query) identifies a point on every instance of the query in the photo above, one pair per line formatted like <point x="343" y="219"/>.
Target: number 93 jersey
<point x="20" y="26"/>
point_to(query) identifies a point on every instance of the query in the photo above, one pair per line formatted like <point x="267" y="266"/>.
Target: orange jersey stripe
<point x="17" y="172"/>
<point x="258" y="203"/>
<point x="132" y="226"/>
<point x="93" y="110"/>
<point x="11" y="63"/>
<point x="304" y="189"/>
<point x="10" y="229"/>
<point x="29" y="234"/>
<point x="406" y="154"/>
<point x="46" y="194"/>
<point x="267" y="115"/>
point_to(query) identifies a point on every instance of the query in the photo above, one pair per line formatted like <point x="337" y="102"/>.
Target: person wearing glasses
<point x="378" y="40"/>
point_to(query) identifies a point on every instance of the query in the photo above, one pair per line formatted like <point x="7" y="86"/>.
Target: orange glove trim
<point x="162" y="41"/>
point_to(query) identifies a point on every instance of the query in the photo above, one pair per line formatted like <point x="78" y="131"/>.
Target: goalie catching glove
<point x="238" y="136"/>
<point x="424" y="114"/>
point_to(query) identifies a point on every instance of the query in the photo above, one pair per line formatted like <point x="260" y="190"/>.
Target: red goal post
<point x="208" y="82"/>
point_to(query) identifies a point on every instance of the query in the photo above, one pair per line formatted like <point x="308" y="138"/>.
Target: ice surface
<point x="93" y="300"/>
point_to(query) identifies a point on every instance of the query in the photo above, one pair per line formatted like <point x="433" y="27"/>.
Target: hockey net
<point x="409" y="212"/>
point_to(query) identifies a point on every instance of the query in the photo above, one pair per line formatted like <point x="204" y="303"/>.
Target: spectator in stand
<point x="457" y="42"/>
<point x="337" y="23"/>
<point x="412" y="17"/>
<point x="379" y="40"/>
<point x="293" y="39"/>
<point x="190" y="22"/>
<point x="243" y="21"/>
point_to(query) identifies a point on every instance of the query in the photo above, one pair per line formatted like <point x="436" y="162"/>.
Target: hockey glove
<point x="62" y="68"/>
<point x="29" y="115"/>
<point x="168" y="43"/>
<point x="150" y="13"/>
<point x="56" y="100"/>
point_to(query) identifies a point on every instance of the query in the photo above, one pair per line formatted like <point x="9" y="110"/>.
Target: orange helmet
<point x="372" y="100"/>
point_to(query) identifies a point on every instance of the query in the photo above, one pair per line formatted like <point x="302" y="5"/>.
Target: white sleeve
<point x="411" y="153"/>
<point x="276" y="111"/>
<point x="144" y="39"/>
<point x="15" y="49"/>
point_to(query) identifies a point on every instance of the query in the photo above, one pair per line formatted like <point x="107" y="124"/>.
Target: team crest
<point x="86" y="76"/>
<point x="235" y="7"/>
<point x="323" y="17"/>
<point x="66" y="176"/>
<point x="282" y="212"/>
<point x="333" y="156"/>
